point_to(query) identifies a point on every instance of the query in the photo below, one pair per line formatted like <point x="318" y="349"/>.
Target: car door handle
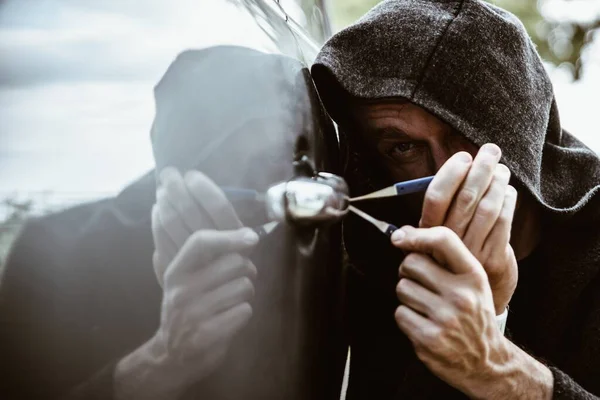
<point x="309" y="201"/>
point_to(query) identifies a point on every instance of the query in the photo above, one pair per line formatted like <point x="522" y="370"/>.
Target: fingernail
<point x="250" y="237"/>
<point x="398" y="235"/>
<point x="464" y="157"/>
<point x="491" y="148"/>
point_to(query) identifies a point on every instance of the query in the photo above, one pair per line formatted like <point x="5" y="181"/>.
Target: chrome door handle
<point x="306" y="201"/>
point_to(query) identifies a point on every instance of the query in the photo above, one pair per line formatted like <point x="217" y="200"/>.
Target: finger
<point x="229" y="295"/>
<point x="475" y="185"/>
<point x="488" y="211"/>
<point x="181" y="200"/>
<point x="225" y="269"/>
<point x="417" y="297"/>
<point x="212" y="199"/>
<point x="230" y="321"/>
<point x="442" y="189"/>
<point x="205" y="246"/>
<point x="424" y="270"/>
<point x="499" y="237"/>
<point x="160" y="266"/>
<point x="170" y="220"/>
<point x="441" y="243"/>
<point x="162" y="241"/>
<point x="415" y="326"/>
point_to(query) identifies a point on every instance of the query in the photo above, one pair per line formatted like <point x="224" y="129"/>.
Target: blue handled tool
<point x="398" y="189"/>
<point x="382" y="226"/>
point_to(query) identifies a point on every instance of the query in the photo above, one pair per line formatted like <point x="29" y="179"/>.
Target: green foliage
<point x="559" y="42"/>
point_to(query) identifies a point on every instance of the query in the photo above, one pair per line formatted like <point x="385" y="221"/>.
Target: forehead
<point x="398" y="114"/>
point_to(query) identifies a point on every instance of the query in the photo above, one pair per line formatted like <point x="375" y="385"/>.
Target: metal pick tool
<point x="382" y="226"/>
<point x="398" y="189"/>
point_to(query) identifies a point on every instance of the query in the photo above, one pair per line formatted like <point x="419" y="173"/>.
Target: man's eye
<point x="400" y="149"/>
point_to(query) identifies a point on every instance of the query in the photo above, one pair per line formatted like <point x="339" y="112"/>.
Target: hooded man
<point x="83" y="313"/>
<point x="452" y="88"/>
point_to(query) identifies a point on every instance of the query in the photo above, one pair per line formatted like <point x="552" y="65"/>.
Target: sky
<point x="76" y="81"/>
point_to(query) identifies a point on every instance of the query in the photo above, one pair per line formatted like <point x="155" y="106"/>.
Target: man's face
<point x="410" y="142"/>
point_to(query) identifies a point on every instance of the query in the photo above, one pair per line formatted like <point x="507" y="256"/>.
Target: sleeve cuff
<point x="566" y="388"/>
<point x="501" y="320"/>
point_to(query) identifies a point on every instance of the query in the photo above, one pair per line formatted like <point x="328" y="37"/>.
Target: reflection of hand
<point x="207" y="286"/>
<point x="183" y="206"/>
<point x="206" y="290"/>
<point x="474" y="199"/>
<point x="447" y="312"/>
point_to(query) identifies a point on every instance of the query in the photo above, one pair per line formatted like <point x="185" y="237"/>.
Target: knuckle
<point x="192" y="178"/>
<point x="480" y="279"/>
<point x="448" y="321"/>
<point x="429" y="338"/>
<point x="443" y="234"/>
<point x="208" y="329"/>
<point x="237" y="261"/>
<point x="174" y="298"/>
<point x="410" y="260"/>
<point x="198" y="238"/>
<point x="433" y="199"/>
<point x="170" y="185"/>
<point x="245" y="310"/>
<point x="168" y="277"/>
<point x="466" y="198"/>
<point x="464" y="301"/>
<point x="250" y="269"/>
<point x="487" y="166"/>
<point x="401" y="286"/>
<point x="487" y="209"/>
<point x="246" y="286"/>
<point x="400" y="314"/>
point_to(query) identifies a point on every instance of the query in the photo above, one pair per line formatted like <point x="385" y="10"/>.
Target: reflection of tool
<point x="241" y="194"/>
<point x="264" y="230"/>
<point x="384" y="227"/>
<point x="398" y="189"/>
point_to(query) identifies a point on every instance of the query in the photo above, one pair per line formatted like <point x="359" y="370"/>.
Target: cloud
<point x="76" y="84"/>
<point x="59" y="41"/>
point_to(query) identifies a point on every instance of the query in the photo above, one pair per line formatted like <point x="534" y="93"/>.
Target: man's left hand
<point x="447" y="312"/>
<point x="474" y="199"/>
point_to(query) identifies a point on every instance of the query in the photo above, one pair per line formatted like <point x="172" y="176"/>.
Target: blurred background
<point x="76" y="83"/>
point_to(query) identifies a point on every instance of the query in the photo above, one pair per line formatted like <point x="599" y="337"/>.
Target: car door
<point x="294" y="347"/>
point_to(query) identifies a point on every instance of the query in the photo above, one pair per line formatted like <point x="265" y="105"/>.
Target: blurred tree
<point x="560" y="42"/>
<point x="16" y="213"/>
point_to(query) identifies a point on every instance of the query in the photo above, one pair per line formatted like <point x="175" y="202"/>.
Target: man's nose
<point x="439" y="156"/>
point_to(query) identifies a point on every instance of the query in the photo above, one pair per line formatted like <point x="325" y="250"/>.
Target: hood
<point x="474" y="66"/>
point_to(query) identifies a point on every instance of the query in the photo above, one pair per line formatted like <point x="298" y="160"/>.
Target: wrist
<point x="520" y="376"/>
<point x="147" y="373"/>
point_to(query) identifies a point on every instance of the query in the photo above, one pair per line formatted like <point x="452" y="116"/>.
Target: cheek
<point x="407" y="171"/>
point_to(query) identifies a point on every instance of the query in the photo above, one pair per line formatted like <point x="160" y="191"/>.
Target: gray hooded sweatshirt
<point x="472" y="65"/>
